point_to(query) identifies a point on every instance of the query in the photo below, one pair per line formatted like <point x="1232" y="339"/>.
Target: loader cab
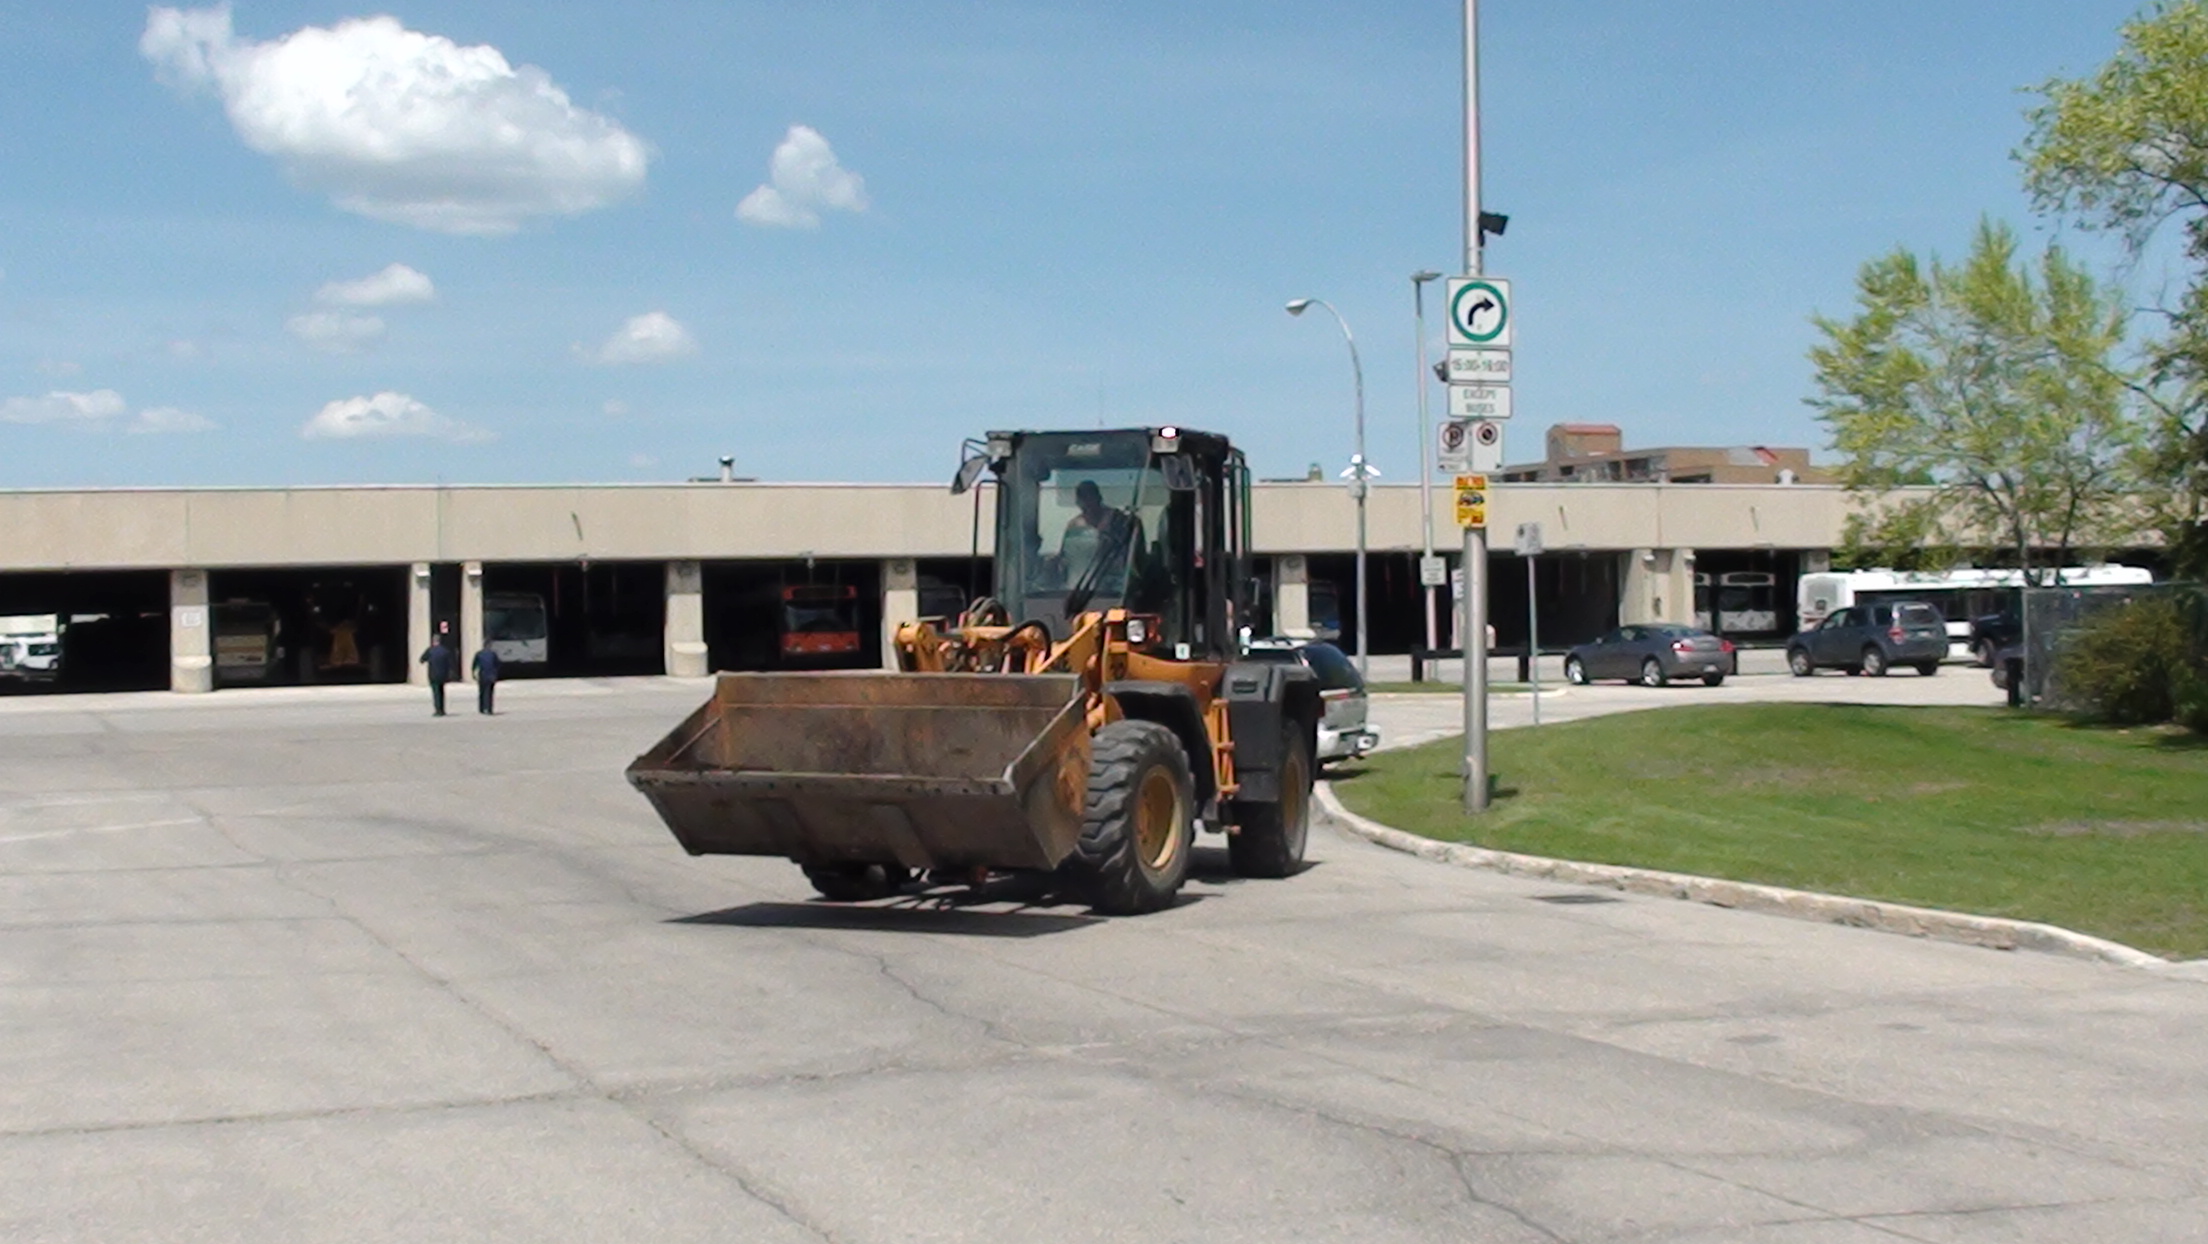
<point x="1153" y="520"/>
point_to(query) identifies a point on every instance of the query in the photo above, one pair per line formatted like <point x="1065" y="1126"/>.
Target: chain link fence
<point x="2052" y="615"/>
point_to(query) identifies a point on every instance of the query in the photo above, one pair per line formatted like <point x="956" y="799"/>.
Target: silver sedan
<point x="1652" y="655"/>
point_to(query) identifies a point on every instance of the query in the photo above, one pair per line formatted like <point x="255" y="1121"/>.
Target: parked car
<point x="1344" y="732"/>
<point x="1653" y="655"/>
<point x="1991" y="632"/>
<point x="1871" y="639"/>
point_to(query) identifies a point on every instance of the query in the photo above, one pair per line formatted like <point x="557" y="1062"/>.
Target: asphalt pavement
<point x="313" y="966"/>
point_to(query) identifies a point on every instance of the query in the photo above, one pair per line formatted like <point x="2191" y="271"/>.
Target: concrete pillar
<point x="1291" y="596"/>
<point x="685" y="652"/>
<point x="417" y="623"/>
<point x="1659" y="587"/>
<point x="191" y="633"/>
<point x="471" y="616"/>
<point x="900" y="603"/>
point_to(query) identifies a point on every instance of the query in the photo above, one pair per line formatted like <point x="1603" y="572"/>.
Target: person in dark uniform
<point x="486" y="679"/>
<point x="443" y="663"/>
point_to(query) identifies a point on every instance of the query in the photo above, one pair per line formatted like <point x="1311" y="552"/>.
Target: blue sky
<point x="1028" y="214"/>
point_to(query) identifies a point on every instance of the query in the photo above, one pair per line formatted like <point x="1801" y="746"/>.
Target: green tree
<point x="1988" y="385"/>
<point x="2126" y="149"/>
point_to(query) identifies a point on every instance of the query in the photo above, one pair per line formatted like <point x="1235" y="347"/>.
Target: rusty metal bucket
<point x="924" y="770"/>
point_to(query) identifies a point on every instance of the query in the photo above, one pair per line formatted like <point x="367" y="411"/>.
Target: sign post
<point x="1474" y="326"/>
<point x="1529" y="547"/>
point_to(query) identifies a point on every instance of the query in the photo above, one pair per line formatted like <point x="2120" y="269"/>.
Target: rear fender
<point x="1265" y="700"/>
<point x="1172" y="705"/>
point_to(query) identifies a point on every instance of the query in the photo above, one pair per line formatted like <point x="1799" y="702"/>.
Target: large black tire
<point x="1575" y="671"/>
<point x="1652" y="673"/>
<point x="1139" y="827"/>
<point x="1928" y="668"/>
<point x="855" y="883"/>
<point x="1874" y="661"/>
<point x="1270" y="840"/>
<point x="1713" y="680"/>
<point x="1799" y="664"/>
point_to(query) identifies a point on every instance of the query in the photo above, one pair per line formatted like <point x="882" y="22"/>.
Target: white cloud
<point x="95" y="410"/>
<point x="640" y="461"/>
<point x="402" y="126"/>
<point x="59" y="368"/>
<point x="336" y="332"/>
<point x="183" y="350"/>
<point x="82" y="409"/>
<point x="394" y="286"/>
<point x="159" y="419"/>
<point x="616" y="407"/>
<point x="803" y="180"/>
<point x="653" y="337"/>
<point x="385" y="414"/>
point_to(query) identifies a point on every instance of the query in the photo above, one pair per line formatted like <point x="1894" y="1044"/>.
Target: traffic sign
<point x="1529" y="539"/>
<point x="1479" y="311"/>
<point x="1486" y="452"/>
<point x="1479" y="365"/>
<point x="1432" y="571"/>
<point x="1479" y="401"/>
<point x="1472" y="501"/>
<point x="1456" y="442"/>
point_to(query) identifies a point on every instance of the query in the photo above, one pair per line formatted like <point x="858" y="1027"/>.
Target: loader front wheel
<point x="1139" y="825"/>
<point x="855" y="883"/>
<point x="1270" y="840"/>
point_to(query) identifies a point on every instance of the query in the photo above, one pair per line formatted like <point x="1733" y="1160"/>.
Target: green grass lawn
<point x="1979" y="810"/>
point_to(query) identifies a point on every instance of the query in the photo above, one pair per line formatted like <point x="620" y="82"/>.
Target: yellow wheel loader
<point x="1087" y="718"/>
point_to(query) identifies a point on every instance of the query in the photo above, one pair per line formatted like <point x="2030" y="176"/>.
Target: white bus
<point x="30" y="647"/>
<point x="1737" y="602"/>
<point x="1960" y="595"/>
<point x="516" y="627"/>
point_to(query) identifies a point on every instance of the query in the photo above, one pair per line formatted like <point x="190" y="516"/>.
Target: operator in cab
<point x="1088" y="534"/>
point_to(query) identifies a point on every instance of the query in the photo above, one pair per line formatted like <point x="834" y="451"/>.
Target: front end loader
<point x="1085" y="719"/>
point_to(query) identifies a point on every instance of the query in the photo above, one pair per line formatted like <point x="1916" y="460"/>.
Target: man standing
<point x="486" y="679"/>
<point x="443" y="663"/>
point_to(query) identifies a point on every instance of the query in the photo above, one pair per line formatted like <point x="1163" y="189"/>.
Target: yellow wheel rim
<point x="1158" y="819"/>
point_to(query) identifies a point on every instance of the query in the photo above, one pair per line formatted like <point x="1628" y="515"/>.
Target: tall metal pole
<point x="1359" y="473"/>
<point x="1533" y="639"/>
<point x="1475" y="539"/>
<point x="1425" y="450"/>
<point x="1362" y="485"/>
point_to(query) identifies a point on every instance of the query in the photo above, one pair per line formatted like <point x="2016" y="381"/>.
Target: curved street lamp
<point x="1360" y="471"/>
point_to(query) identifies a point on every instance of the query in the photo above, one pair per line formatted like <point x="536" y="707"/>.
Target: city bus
<point x="819" y="623"/>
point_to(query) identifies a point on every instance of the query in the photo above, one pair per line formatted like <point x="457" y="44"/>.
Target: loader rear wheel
<point x="1139" y="826"/>
<point x="855" y="883"/>
<point x="1270" y="840"/>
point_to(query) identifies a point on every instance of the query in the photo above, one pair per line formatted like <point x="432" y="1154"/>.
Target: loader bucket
<point x="923" y="770"/>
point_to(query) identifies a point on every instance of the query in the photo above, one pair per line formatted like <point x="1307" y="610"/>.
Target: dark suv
<point x="1871" y="639"/>
<point x="1990" y="633"/>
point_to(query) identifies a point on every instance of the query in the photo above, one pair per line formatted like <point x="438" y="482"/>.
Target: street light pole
<point x="1475" y="538"/>
<point x="1425" y="450"/>
<point x="1359" y="470"/>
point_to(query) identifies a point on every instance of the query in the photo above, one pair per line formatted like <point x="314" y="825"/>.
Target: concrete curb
<point x="1992" y="932"/>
